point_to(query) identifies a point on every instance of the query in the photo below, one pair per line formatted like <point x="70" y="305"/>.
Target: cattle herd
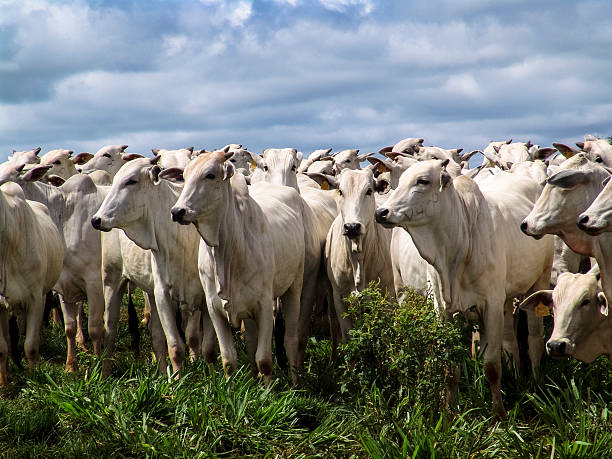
<point x="226" y="239"/>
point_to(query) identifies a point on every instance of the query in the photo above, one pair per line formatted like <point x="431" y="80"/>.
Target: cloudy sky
<point x="307" y="74"/>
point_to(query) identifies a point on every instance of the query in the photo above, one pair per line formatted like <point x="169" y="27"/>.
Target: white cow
<point x="61" y="163"/>
<point x="252" y="251"/>
<point x="279" y="166"/>
<point x="24" y="157"/>
<point x="139" y="203"/>
<point x="598" y="217"/>
<point x="357" y="251"/>
<point x="109" y="158"/>
<point x="70" y="207"/>
<point x="347" y="159"/>
<point x="566" y="194"/>
<point x="451" y="222"/>
<point x="173" y="158"/>
<point x="32" y="255"/>
<point x="582" y="325"/>
<point x="317" y="161"/>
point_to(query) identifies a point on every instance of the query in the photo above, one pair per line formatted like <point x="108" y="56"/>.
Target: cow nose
<point x="96" y="222"/>
<point x="582" y="221"/>
<point x="524" y="227"/>
<point x="352" y="229"/>
<point x="177" y="214"/>
<point x="556" y="347"/>
<point x="381" y="215"/>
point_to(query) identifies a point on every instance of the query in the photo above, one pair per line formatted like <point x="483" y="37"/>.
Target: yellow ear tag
<point x="381" y="168"/>
<point x="253" y="165"/>
<point x="325" y="185"/>
<point x="541" y="310"/>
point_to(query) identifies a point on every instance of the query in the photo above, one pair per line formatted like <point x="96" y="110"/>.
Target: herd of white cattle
<point x="228" y="238"/>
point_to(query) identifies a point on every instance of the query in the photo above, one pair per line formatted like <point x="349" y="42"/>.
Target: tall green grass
<point x="384" y="398"/>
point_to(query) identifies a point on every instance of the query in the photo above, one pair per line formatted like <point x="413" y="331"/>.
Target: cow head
<point x="598" y="217"/>
<point x="598" y="150"/>
<point x="279" y="166"/>
<point x="566" y="194"/>
<point x="206" y="193"/>
<point x="61" y="163"/>
<point x="355" y="197"/>
<point x="128" y="201"/>
<point x="416" y="199"/>
<point x="347" y="159"/>
<point x="24" y="157"/>
<point x="109" y="159"/>
<point x="578" y="306"/>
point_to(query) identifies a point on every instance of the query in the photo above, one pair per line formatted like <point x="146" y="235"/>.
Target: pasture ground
<point x="384" y="398"/>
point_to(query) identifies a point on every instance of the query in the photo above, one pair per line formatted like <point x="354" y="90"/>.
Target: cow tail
<point x="14" y="341"/>
<point x="133" y="323"/>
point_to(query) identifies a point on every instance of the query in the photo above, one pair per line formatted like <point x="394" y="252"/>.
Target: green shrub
<point x="402" y="350"/>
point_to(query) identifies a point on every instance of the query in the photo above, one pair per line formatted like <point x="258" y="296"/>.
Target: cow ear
<point x="496" y="148"/>
<point x="155" y="159"/>
<point x="362" y="158"/>
<point x="508" y="165"/>
<point x="81" y="158"/>
<point x="228" y="171"/>
<point x="172" y="174"/>
<point x="568" y="178"/>
<point x="56" y="180"/>
<point x="155" y="151"/>
<point x="37" y="150"/>
<point x="130" y="156"/>
<point x="154" y="173"/>
<point x="36" y="173"/>
<point x="580" y="145"/>
<point x="325" y="181"/>
<point x="540" y="297"/>
<point x="256" y="161"/>
<point x="603" y="301"/>
<point x="299" y="156"/>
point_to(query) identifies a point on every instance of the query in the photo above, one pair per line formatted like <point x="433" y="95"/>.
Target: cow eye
<point x="131" y="182"/>
<point x="422" y="181"/>
<point x="339" y="191"/>
<point x="57" y="162"/>
<point x="369" y="192"/>
<point x="347" y="161"/>
<point x="106" y="155"/>
<point x="232" y="160"/>
<point x="265" y="168"/>
<point x="210" y="176"/>
<point x="293" y="168"/>
<point x="585" y="302"/>
<point x="598" y="159"/>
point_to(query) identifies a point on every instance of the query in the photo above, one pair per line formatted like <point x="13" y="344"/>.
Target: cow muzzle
<point x="352" y="230"/>
<point x="525" y="229"/>
<point x="178" y="215"/>
<point x="557" y="349"/>
<point x="586" y="225"/>
<point x="96" y="222"/>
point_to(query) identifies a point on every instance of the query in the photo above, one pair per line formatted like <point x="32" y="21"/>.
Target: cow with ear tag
<point x="450" y="221"/>
<point x="357" y="249"/>
<point x="582" y="323"/>
<point x="252" y="251"/>
<point x="138" y="203"/>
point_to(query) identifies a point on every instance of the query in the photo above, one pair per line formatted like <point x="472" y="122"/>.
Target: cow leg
<point x="4" y="347"/>
<point x="167" y="317"/>
<point x="346" y="323"/>
<point x="158" y="339"/>
<point x="33" y="326"/>
<point x="95" y="323"/>
<point x="223" y="331"/>
<point x="193" y="334"/>
<point x="263" y="356"/>
<point x="292" y="315"/>
<point x="147" y="309"/>
<point x="80" y="336"/>
<point x="490" y="344"/>
<point x="113" y="293"/>
<point x="307" y="301"/>
<point x="69" y="311"/>
<point x="335" y="331"/>
<point x="210" y="347"/>
<point x="250" y="343"/>
<point x="535" y="327"/>
<point x="510" y="344"/>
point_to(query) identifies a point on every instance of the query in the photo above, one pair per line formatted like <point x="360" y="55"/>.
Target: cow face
<point x="109" y="159"/>
<point x="415" y="202"/>
<point x="19" y="158"/>
<point x="347" y="159"/>
<point x="173" y="158"/>
<point x="598" y="217"/>
<point x="356" y="201"/>
<point x="129" y="196"/>
<point x="61" y="163"/>
<point x="205" y="194"/>
<point x="279" y="166"/>
<point x="599" y="151"/>
<point x="566" y="194"/>
<point x="578" y="307"/>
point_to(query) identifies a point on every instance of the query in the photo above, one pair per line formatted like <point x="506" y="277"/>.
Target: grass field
<point x="383" y="399"/>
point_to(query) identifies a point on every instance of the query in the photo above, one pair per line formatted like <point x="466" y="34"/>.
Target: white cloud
<point x="365" y="6"/>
